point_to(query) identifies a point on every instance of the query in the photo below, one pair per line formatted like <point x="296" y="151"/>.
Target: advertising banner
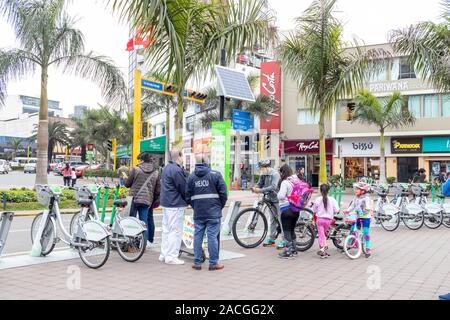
<point x="406" y="145"/>
<point x="436" y="144"/>
<point x="306" y="146"/>
<point x="220" y="149"/>
<point x="360" y="147"/>
<point x="271" y="86"/>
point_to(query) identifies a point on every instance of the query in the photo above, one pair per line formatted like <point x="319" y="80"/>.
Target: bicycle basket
<point x="82" y="194"/>
<point x="44" y="196"/>
<point x="417" y="190"/>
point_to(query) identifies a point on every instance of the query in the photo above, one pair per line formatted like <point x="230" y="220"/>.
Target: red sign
<point x="271" y="86"/>
<point x="306" y="146"/>
<point x="90" y="147"/>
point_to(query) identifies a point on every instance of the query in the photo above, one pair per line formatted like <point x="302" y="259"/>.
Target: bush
<point x="349" y="183"/>
<point x="104" y="173"/>
<point x="391" y="180"/>
<point x="17" y="196"/>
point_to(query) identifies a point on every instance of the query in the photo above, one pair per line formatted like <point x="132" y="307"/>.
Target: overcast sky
<point x="368" y="20"/>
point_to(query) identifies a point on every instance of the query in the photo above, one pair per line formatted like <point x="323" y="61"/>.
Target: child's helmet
<point x="362" y="186"/>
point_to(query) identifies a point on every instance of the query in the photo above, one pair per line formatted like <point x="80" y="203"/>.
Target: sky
<point x="366" y="20"/>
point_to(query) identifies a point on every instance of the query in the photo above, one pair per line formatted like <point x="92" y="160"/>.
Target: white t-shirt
<point x="74" y="175"/>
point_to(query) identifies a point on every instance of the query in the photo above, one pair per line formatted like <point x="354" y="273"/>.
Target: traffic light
<point x="267" y="142"/>
<point x="110" y="145"/>
<point x="170" y="89"/>
<point x="196" y="96"/>
<point x="144" y="129"/>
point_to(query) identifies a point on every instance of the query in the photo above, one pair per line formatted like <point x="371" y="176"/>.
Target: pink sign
<point x="306" y="146"/>
<point x="271" y="86"/>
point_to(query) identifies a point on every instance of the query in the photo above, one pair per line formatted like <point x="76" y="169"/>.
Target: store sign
<point x="271" y="86"/>
<point x="436" y="144"/>
<point x="406" y="145"/>
<point x="355" y="147"/>
<point x="155" y="145"/>
<point x="202" y="146"/>
<point x="306" y="146"/>
<point x="404" y="85"/>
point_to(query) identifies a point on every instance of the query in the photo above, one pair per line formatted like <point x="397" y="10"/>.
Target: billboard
<point x="271" y="86"/>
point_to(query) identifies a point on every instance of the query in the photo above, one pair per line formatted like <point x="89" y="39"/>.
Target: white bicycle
<point x="91" y="238"/>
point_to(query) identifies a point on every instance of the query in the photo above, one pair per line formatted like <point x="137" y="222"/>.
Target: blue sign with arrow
<point x="242" y="120"/>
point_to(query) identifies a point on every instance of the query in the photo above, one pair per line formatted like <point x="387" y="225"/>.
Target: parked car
<point x="29" y="168"/>
<point x="4" y="167"/>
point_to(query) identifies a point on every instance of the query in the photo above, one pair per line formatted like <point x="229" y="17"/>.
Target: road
<point x="18" y="179"/>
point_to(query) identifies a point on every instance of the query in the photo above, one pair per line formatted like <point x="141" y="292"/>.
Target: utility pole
<point x="222" y="98"/>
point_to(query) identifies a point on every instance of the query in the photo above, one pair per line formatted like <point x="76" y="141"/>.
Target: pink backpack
<point x="300" y="195"/>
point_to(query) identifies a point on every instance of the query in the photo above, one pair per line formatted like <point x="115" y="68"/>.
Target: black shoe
<point x="286" y="254"/>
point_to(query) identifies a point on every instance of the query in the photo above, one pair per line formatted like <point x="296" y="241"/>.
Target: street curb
<point x="73" y="211"/>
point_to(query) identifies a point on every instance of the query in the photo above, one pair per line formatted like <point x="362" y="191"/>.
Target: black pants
<point x="67" y="181"/>
<point x="288" y="222"/>
<point x="74" y="181"/>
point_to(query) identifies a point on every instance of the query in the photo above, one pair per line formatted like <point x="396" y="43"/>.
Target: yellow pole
<point x="67" y="153"/>
<point x="148" y="129"/>
<point x="261" y="146"/>
<point x="137" y="116"/>
<point x="114" y="150"/>
<point x="28" y="155"/>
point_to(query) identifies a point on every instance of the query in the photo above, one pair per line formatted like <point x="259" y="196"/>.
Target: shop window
<point x="446" y="105"/>
<point x="414" y="106"/>
<point x="345" y="110"/>
<point x="305" y="116"/>
<point x="431" y="106"/>
<point x="406" y="70"/>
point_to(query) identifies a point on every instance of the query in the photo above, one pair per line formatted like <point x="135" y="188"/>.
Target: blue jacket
<point x="173" y="187"/>
<point x="206" y="192"/>
<point x="446" y="188"/>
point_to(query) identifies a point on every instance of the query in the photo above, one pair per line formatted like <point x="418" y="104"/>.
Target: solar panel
<point x="233" y="84"/>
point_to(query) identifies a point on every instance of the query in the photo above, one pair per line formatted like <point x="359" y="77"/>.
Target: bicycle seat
<point x="405" y="194"/>
<point x="85" y="202"/>
<point x="440" y="196"/>
<point x="338" y="217"/>
<point x="425" y="193"/>
<point x="382" y="194"/>
<point x="121" y="203"/>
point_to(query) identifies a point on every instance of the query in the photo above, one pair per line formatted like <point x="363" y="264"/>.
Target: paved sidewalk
<point x="405" y="265"/>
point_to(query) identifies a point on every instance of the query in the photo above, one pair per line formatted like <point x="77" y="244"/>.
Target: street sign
<point x="242" y="120"/>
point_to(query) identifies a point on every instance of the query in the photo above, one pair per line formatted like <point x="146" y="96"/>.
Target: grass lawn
<point x="30" y="206"/>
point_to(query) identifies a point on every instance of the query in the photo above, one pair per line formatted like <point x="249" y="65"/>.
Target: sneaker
<point x="324" y="255"/>
<point x="269" y="243"/>
<point x="150" y="245"/>
<point x="175" y="262"/>
<point x="162" y="259"/>
<point x="286" y="254"/>
<point x="281" y="245"/>
<point x="216" y="267"/>
<point x="445" y="297"/>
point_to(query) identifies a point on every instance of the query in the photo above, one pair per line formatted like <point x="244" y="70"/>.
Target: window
<point x="446" y="105"/>
<point x="345" y="110"/>
<point x="431" y="106"/>
<point x="305" y="116"/>
<point x="380" y="76"/>
<point x="190" y="124"/>
<point x="406" y="70"/>
<point x="414" y="105"/>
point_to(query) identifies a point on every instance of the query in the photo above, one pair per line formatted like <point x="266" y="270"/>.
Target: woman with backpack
<point x="288" y="216"/>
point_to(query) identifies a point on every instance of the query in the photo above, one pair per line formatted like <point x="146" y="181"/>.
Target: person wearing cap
<point x="362" y="207"/>
<point x="268" y="185"/>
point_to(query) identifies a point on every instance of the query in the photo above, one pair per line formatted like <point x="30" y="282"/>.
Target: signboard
<point x="359" y="147"/>
<point x="242" y="120"/>
<point x="220" y="149"/>
<point x="436" y="144"/>
<point x="155" y="145"/>
<point x="202" y="145"/>
<point x="89" y="155"/>
<point x="306" y="146"/>
<point x="188" y="232"/>
<point x="406" y="145"/>
<point x="271" y="86"/>
<point x="401" y="85"/>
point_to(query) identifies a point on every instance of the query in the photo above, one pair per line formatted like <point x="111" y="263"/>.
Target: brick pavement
<point x="412" y="265"/>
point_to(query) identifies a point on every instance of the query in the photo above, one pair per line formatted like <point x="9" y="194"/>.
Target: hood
<point x="147" y="167"/>
<point x="202" y="170"/>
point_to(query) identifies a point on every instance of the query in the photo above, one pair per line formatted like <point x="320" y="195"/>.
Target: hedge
<point x="104" y="173"/>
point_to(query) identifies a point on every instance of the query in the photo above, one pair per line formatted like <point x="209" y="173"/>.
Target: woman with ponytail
<point x="325" y="208"/>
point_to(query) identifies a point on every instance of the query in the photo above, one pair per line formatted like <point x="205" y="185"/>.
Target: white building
<point x="17" y="105"/>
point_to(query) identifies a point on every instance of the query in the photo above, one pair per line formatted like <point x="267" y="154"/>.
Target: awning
<point x="155" y="145"/>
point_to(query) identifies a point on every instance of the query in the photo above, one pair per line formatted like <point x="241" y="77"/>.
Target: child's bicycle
<point x="354" y="243"/>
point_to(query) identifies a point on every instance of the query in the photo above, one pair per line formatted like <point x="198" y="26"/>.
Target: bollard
<point x="113" y="213"/>
<point x="340" y="196"/>
<point x="4" y="202"/>
<point x="233" y="210"/>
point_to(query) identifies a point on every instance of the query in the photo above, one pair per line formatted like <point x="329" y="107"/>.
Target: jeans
<point x="275" y="223"/>
<point x="365" y="223"/>
<point x="212" y="228"/>
<point x="67" y="181"/>
<point x="151" y="226"/>
<point x="172" y="231"/>
<point x="142" y="209"/>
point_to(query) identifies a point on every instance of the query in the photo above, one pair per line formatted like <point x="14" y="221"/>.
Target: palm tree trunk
<point x="83" y="153"/>
<point x="323" y="177"/>
<point x="382" y="158"/>
<point x="167" y="156"/>
<point x="179" y="123"/>
<point x="50" y="151"/>
<point x="237" y="156"/>
<point x="42" y="135"/>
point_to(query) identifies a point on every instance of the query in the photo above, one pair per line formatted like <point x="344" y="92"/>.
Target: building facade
<point x="16" y="105"/>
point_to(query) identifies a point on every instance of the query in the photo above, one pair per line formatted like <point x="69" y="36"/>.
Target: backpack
<point x="300" y="195"/>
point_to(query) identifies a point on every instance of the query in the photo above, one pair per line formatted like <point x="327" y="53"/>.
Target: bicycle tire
<point x="305" y="229"/>
<point x="107" y="246"/>
<point x="120" y="247"/>
<point x="395" y="227"/>
<point x="236" y="234"/>
<point x="90" y="216"/>
<point x="432" y="226"/>
<point x="446" y="220"/>
<point x="49" y="231"/>
<point x="350" y="245"/>
<point x="411" y="227"/>
<point x="339" y="244"/>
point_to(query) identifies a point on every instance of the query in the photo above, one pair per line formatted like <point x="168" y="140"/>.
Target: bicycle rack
<point x="233" y="210"/>
<point x="5" y="223"/>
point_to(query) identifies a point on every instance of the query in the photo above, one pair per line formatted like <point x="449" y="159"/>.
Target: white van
<point x="4" y="167"/>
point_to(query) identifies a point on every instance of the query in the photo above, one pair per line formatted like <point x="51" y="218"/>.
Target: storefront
<point x="361" y="157"/>
<point x="155" y="146"/>
<point x="305" y="154"/>
<point x="408" y="151"/>
<point x="437" y="164"/>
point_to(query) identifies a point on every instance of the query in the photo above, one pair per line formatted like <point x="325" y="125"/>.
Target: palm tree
<point x="317" y="59"/>
<point x="384" y="113"/>
<point x="189" y="36"/>
<point x="58" y="133"/>
<point x="48" y="38"/>
<point x="427" y="45"/>
<point x="15" y="144"/>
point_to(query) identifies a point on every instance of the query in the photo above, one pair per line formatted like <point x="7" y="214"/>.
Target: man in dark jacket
<point x="144" y="196"/>
<point x="207" y="193"/>
<point x="173" y="202"/>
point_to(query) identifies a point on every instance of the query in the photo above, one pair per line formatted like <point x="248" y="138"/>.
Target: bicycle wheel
<point x="305" y="236"/>
<point x="352" y="247"/>
<point x="48" y="235"/>
<point x="339" y="234"/>
<point x="446" y="220"/>
<point x="413" y="221"/>
<point x="250" y="228"/>
<point x="95" y="254"/>
<point x="434" y="220"/>
<point x="133" y="249"/>
<point x="75" y="218"/>
<point x="390" y="221"/>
